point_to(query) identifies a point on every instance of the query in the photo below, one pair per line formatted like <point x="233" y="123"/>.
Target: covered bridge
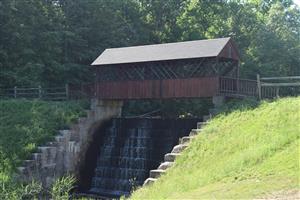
<point x="174" y="70"/>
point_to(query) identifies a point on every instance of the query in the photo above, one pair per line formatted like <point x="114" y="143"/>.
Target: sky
<point x="297" y="2"/>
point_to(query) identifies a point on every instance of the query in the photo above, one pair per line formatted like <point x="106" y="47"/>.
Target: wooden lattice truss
<point x="178" y="69"/>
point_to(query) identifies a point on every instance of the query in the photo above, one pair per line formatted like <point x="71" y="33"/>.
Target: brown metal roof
<point x="160" y="52"/>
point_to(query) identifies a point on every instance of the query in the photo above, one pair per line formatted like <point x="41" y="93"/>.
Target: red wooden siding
<point x="229" y="51"/>
<point x="158" y="89"/>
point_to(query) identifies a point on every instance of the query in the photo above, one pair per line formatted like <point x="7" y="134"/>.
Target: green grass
<point x="26" y="124"/>
<point x="241" y="155"/>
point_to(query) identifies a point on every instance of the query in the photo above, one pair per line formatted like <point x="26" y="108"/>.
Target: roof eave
<point x="109" y="64"/>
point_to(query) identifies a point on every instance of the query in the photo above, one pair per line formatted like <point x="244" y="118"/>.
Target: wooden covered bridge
<point x="193" y="69"/>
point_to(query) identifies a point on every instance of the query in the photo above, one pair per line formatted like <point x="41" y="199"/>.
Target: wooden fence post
<point x="258" y="86"/>
<point x="15" y="91"/>
<point x="277" y="92"/>
<point x="67" y="91"/>
<point x="40" y="92"/>
<point x="238" y="89"/>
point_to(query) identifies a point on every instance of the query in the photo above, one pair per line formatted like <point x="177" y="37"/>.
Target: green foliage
<point x="23" y="126"/>
<point x="30" y="52"/>
<point x="26" y="124"/>
<point x="52" y="42"/>
<point x="267" y="33"/>
<point x="62" y="187"/>
<point x="275" y="47"/>
<point x="14" y="191"/>
<point x="161" y="17"/>
<point x="245" y="154"/>
<point x="60" y="190"/>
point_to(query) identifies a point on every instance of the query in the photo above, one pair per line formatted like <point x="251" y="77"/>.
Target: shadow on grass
<point x="239" y="104"/>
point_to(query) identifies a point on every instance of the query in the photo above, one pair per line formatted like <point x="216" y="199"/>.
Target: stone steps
<point x="62" y="155"/>
<point x="156" y="173"/>
<point x="207" y="117"/>
<point x="60" y="138"/>
<point x="29" y="164"/>
<point x="52" y="144"/>
<point x="36" y="156"/>
<point x="179" y="148"/>
<point x="186" y="139"/>
<point x="165" y="165"/>
<point x="195" y="132"/>
<point x="44" y="161"/>
<point x="201" y="124"/>
<point x="149" y="181"/>
<point x="169" y="158"/>
<point x="21" y="169"/>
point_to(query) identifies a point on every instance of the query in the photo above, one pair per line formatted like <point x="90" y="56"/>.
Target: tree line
<point x="53" y="42"/>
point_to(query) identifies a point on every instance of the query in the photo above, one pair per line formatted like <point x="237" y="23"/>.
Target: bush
<point x="13" y="191"/>
<point x="62" y="187"/>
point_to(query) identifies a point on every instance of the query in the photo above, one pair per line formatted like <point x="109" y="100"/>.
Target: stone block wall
<point x="66" y="153"/>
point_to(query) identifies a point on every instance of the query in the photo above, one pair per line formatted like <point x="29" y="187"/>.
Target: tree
<point x="53" y="42"/>
<point x="30" y="42"/>
<point x="162" y="17"/>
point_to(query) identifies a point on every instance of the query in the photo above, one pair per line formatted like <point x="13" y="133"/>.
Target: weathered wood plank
<point x="281" y="78"/>
<point x="279" y="84"/>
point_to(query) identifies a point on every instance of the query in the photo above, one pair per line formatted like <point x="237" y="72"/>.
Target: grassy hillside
<point x="26" y="124"/>
<point x="244" y="154"/>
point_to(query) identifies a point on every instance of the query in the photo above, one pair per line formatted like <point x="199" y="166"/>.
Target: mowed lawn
<point x="241" y="155"/>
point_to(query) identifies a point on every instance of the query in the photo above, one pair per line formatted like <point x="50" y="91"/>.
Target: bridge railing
<point x="237" y="87"/>
<point x="51" y="94"/>
<point x="262" y="87"/>
<point x="67" y="92"/>
<point x="274" y="87"/>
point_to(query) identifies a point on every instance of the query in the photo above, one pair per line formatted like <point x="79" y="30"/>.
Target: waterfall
<point x="130" y="148"/>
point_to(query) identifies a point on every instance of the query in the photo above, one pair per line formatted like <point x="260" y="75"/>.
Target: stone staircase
<point x="66" y="152"/>
<point x="56" y="158"/>
<point x="169" y="158"/>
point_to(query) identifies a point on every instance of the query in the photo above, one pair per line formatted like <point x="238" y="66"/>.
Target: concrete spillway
<point x="123" y="152"/>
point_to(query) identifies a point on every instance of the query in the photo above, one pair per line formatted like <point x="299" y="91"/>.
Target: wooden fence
<point x="263" y="87"/>
<point x="275" y="87"/>
<point x="237" y="87"/>
<point x="67" y="92"/>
